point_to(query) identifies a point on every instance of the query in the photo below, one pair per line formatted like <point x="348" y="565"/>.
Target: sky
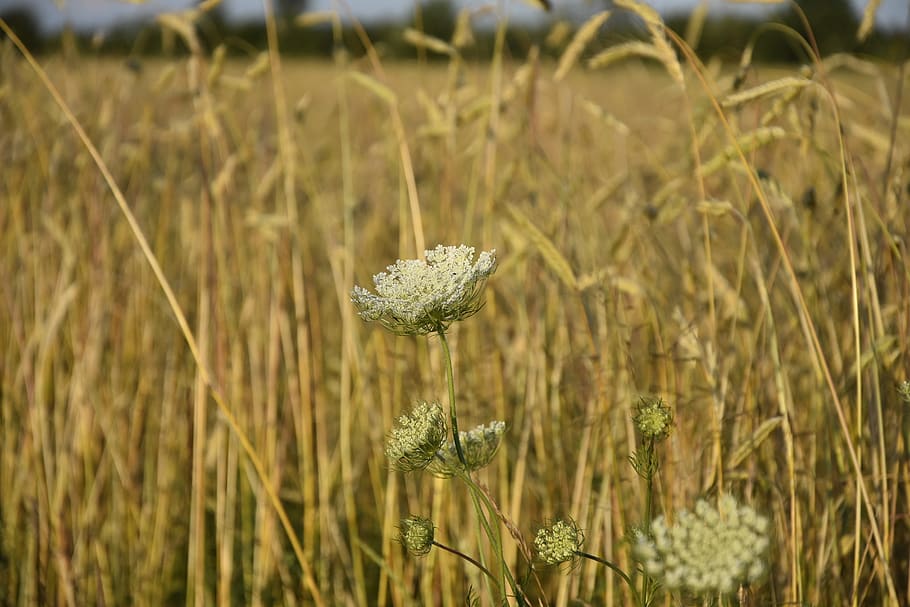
<point x="97" y="15"/>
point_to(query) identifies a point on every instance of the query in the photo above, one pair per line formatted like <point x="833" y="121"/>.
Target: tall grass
<point x="734" y="242"/>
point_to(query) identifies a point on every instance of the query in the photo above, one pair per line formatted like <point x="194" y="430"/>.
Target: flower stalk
<point x="450" y="380"/>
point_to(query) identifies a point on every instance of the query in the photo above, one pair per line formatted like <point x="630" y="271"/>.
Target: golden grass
<point x="751" y="270"/>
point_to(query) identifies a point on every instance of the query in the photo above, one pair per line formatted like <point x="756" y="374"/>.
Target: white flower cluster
<point x="558" y="542"/>
<point x="416" y="297"/>
<point x="416" y="438"/>
<point x="478" y="445"/>
<point x="653" y="418"/>
<point x="707" y="551"/>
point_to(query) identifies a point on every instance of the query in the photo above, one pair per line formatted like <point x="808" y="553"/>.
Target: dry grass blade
<point x="582" y="37"/>
<point x="551" y="255"/>
<point x="259" y="67"/>
<point x="715" y="208"/>
<point x="774" y="87"/>
<point x="316" y="18"/>
<point x="216" y="69"/>
<point x="422" y="40"/>
<point x="647" y="14"/>
<point x="544" y="5"/>
<point x="868" y="22"/>
<point x="668" y="57"/>
<point x="635" y="48"/>
<point x="183" y="25"/>
<point x="375" y="87"/>
<point x="558" y="34"/>
<point x="696" y="24"/>
<point x="596" y="111"/>
<point x="663" y="52"/>
<point x="463" y="36"/>
<point x="746" y="143"/>
<point x="744" y="450"/>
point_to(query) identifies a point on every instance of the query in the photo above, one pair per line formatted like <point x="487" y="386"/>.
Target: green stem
<point x="616" y="570"/>
<point x="478" y="510"/>
<point x="649" y="479"/>
<point x="469" y="559"/>
<point x="493" y="532"/>
<point x="450" y="378"/>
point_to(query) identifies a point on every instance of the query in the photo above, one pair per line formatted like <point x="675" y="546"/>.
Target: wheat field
<point x="192" y="413"/>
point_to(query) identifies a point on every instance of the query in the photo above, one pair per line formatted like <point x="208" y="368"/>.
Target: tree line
<point x="834" y="26"/>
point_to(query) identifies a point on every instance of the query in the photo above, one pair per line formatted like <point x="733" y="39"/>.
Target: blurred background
<point x="129" y="26"/>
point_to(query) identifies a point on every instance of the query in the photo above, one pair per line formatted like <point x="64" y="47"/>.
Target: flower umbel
<point x="479" y="446"/>
<point x="559" y="542"/>
<point x="707" y="551"/>
<point x="416" y="534"/>
<point x="416" y="297"/>
<point x="653" y="418"/>
<point x="416" y="437"/>
<point x="904" y="391"/>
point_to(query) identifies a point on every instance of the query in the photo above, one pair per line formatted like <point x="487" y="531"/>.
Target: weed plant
<point x="191" y="411"/>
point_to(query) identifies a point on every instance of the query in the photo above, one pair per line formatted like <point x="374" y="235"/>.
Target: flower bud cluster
<point x="416" y="297"/>
<point x="416" y="534"/>
<point x="708" y="551"/>
<point x="416" y="438"/>
<point x="478" y="445"/>
<point x="653" y="418"/>
<point x="558" y="542"/>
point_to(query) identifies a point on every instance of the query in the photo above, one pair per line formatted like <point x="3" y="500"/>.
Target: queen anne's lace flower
<point x="478" y="445"/>
<point x="416" y="438"/>
<point x="416" y="534"/>
<point x="653" y="418"/>
<point x="707" y="551"/>
<point x="416" y="297"/>
<point x="559" y="542"/>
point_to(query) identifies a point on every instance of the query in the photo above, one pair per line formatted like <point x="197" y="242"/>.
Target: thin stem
<point x="649" y="490"/>
<point x="450" y="379"/>
<point x="478" y="510"/>
<point x="469" y="559"/>
<point x="493" y="532"/>
<point x="616" y="570"/>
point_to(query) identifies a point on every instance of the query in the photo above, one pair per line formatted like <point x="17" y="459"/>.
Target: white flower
<point x="559" y="542"/>
<point x="416" y="438"/>
<point x="416" y="297"/>
<point x="478" y="445"/>
<point x="708" y="551"/>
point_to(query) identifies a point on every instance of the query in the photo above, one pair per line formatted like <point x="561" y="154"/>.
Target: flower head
<point x="558" y="542"/>
<point x="708" y="551"/>
<point x="416" y="297"/>
<point x="478" y="445"/>
<point x="416" y="437"/>
<point x="416" y="534"/>
<point x="653" y="418"/>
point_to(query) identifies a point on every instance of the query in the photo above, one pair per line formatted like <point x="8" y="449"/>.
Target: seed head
<point x="416" y="534"/>
<point x="416" y="297"/>
<point x="558" y="542"/>
<point x="478" y="445"/>
<point x="709" y="551"/>
<point x="653" y="418"/>
<point x="904" y="391"/>
<point x="416" y="437"/>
